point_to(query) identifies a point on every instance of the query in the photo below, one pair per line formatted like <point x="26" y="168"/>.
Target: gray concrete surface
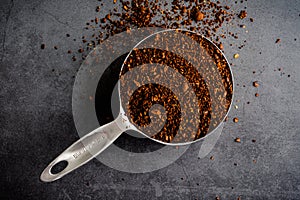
<point x="36" y="117"/>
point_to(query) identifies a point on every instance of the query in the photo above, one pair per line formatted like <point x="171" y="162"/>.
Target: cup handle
<point x="85" y="149"/>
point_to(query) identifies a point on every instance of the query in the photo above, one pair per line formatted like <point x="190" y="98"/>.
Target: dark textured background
<point x="36" y="117"/>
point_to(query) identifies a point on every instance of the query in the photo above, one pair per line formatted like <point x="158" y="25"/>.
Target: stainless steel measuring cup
<point x="98" y="140"/>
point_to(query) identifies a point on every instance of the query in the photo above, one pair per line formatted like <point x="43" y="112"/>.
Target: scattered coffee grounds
<point x="256" y="94"/>
<point x="55" y="47"/>
<point x="277" y="41"/>
<point x="211" y="158"/>
<point x="217" y="198"/>
<point x="255" y="84"/>
<point x="237" y="140"/>
<point x="253" y="140"/>
<point x="98" y="9"/>
<point x="235" y="120"/>
<point x="221" y="46"/>
<point x="236" y="56"/>
<point x="243" y="14"/>
<point x="43" y="46"/>
<point x="146" y="96"/>
<point x="203" y="17"/>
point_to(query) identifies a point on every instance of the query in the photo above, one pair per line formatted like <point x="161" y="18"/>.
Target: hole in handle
<point x="58" y="167"/>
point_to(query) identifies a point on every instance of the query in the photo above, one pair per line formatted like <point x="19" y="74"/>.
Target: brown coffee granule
<point x="98" y="9"/>
<point x="199" y="16"/>
<point x="243" y="14"/>
<point x="107" y="16"/>
<point x="237" y="140"/>
<point x="43" y="46"/>
<point x="235" y="120"/>
<point x="256" y="94"/>
<point x="221" y="46"/>
<point x="125" y="7"/>
<point x="96" y="20"/>
<point x="255" y="84"/>
<point x="236" y="56"/>
<point x="277" y="41"/>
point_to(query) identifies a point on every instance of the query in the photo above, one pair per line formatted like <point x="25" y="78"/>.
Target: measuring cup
<point x="215" y="79"/>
